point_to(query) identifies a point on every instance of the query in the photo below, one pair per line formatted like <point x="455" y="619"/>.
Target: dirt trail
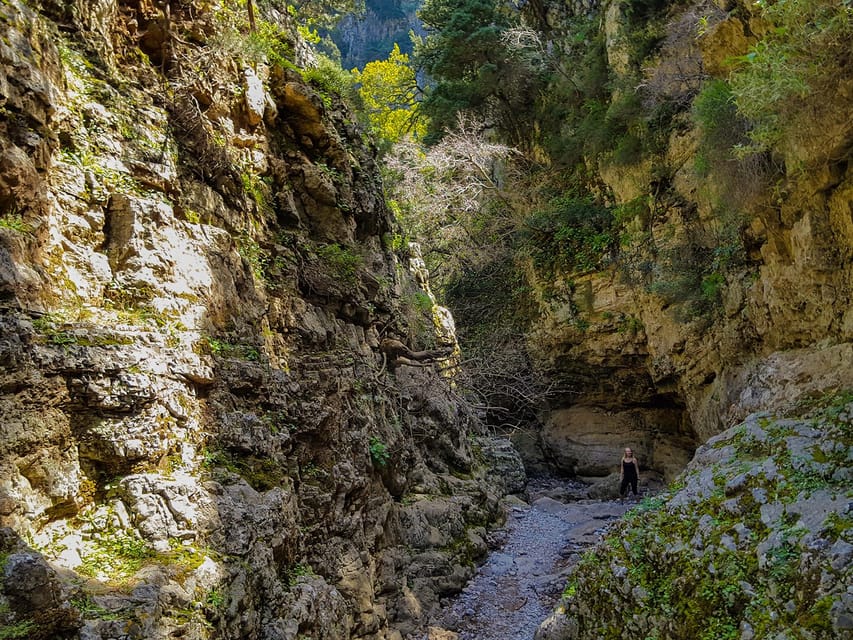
<point x="521" y="581"/>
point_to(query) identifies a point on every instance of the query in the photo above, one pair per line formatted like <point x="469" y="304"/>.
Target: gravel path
<point x="521" y="581"/>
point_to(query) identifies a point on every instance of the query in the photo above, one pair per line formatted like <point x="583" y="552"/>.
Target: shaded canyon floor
<point x="523" y="577"/>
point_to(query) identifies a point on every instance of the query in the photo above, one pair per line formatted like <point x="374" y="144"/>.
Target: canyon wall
<point x="729" y="290"/>
<point x="371" y="36"/>
<point x="226" y="409"/>
<point x="722" y="321"/>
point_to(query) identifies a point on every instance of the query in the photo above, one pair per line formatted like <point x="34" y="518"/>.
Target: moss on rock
<point x="753" y="542"/>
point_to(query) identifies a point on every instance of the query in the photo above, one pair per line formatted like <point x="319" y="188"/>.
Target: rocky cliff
<point x="728" y="293"/>
<point x="223" y="413"/>
<point x="371" y="36"/>
<point x="728" y="288"/>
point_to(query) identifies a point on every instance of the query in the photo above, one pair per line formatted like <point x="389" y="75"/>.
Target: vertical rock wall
<point x="645" y="368"/>
<point x="199" y="433"/>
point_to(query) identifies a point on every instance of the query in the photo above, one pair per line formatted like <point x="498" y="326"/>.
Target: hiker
<point x="629" y="473"/>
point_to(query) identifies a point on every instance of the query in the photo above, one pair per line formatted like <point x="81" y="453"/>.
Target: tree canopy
<point x="473" y="65"/>
<point x="389" y="93"/>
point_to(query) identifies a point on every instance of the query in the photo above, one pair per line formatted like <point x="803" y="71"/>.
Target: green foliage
<point x="587" y="111"/>
<point x="691" y="272"/>
<point x="215" y="599"/>
<point x="474" y="68"/>
<point x="723" y="133"/>
<point x="328" y="76"/>
<point x="270" y="42"/>
<point x="297" y="571"/>
<point x="21" y="629"/>
<point x="715" y="111"/>
<point x="115" y="554"/>
<point x="262" y="474"/>
<point x="58" y="331"/>
<point x="462" y="37"/>
<point x="109" y="180"/>
<point x="131" y="303"/>
<point x="256" y="188"/>
<point x="341" y="262"/>
<point x="15" y="222"/>
<point x="252" y="253"/>
<point x="389" y="90"/>
<point x="223" y="349"/>
<point x="422" y="302"/>
<point x="574" y="233"/>
<point x="397" y="242"/>
<point x="378" y="452"/>
<point x="801" y="56"/>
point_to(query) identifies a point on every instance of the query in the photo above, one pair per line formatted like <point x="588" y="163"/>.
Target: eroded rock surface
<point x="199" y="433"/>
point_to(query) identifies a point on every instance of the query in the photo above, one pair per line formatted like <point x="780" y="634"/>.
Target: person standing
<point x="629" y="473"/>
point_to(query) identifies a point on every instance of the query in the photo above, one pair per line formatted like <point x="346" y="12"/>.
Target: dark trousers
<point x="623" y="488"/>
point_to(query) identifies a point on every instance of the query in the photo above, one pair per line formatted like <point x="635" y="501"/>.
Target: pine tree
<point x="474" y="69"/>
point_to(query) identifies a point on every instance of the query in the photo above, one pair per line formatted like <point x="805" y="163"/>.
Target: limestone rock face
<point x="588" y="441"/>
<point x="199" y="434"/>
<point x="371" y="35"/>
<point x="657" y="332"/>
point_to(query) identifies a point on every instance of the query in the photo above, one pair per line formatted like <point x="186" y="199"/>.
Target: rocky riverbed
<point x="523" y="577"/>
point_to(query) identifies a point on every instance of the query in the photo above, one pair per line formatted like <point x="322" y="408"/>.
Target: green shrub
<point x="723" y="133"/>
<point x="214" y="599"/>
<point x="574" y="233"/>
<point x="252" y="253"/>
<point x="801" y="56"/>
<point x="223" y="349"/>
<point x="422" y="302"/>
<point x="329" y="77"/>
<point x="715" y="112"/>
<point x="712" y="286"/>
<point x="269" y="40"/>
<point x="257" y="189"/>
<point x="21" y="629"/>
<point x="341" y="262"/>
<point x="378" y="452"/>
<point x="297" y="571"/>
<point x="15" y="222"/>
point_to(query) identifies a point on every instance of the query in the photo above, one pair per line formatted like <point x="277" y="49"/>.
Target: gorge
<point x="233" y="407"/>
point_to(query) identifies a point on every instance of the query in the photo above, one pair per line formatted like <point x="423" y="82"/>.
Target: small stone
<point x="759" y="495"/>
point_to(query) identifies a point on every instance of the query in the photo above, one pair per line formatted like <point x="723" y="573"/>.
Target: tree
<point x="474" y="67"/>
<point x="453" y="197"/>
<point x="389" y="92"/>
